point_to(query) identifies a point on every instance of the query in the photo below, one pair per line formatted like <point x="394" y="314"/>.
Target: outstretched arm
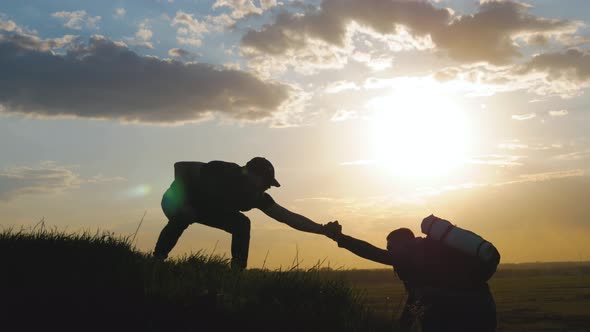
<point x="358" y="247"/>
<point x="292" y="219"/>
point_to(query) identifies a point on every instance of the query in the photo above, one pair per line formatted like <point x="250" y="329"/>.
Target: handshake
<point x="333" y="230"/>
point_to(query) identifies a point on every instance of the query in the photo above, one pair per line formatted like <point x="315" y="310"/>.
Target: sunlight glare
<point x="418" y="133"/>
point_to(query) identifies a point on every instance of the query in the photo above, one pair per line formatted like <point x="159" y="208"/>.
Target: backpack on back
<point x="486" y="256"/>
<point x="187" y="171"/>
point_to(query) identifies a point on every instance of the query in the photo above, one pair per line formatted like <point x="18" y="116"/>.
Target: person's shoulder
<point x="266" y="197"/>
<point x="419" y="242"/>
<point x="413" y="252"/>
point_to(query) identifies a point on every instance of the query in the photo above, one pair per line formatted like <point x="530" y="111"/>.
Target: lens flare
<point x="141" y="190"/>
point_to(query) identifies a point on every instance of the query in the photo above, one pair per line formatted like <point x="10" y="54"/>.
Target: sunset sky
<point x="375" y="113"/>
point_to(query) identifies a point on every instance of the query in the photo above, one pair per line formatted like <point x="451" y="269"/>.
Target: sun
<point x="418" y="133"/>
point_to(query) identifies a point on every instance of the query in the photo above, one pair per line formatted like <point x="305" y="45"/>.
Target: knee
<point x="177" y="224"/>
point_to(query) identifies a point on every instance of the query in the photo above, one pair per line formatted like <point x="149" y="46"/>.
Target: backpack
<point x="187" y="171"/>
<point x="468" y="243"/>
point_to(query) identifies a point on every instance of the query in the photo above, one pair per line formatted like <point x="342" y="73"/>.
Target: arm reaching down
<point x="292" y="219"/>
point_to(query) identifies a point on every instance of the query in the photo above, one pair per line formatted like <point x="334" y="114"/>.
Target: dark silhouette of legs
<point x="168" y="237"/>
<point x="461" y="314"/>
<point x="238" y="225"/>
<point x="179" y="217"/>
<point x="240" y="242"/>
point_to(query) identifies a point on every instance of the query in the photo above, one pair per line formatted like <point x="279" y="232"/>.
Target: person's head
<point x="399" y="238"/>
<point x="261" y="173"/>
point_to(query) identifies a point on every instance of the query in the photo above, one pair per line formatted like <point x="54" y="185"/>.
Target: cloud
<point x="572" y="65"/>
<point x="120" y="12"/>
<point x="28" y="42"/>
<point x="189" y="22"/>
<point x="375" y="63"/>
<point x="8" y="25"/>
<point x="480" y="80"/>
<point x="306" y="61"/>
<point x="191" y="29"/>
<point x="144" y="33"/>
<point x="46" y="179"/>
<point x="489" y="35"/>
<point x="578" y="155"/>
<point x="545" y="176"/>
<point x="232" y="65"/>
<point x="219" y="22"/>
<point x="329" y="23"/>
<point x="182" y="54"/>
<point x="10" y="32"/>
<point x="295" y="110"/>
<point x="343" y="115"/>
<point x="76" y="19"/>
<point x="100" y="178"/>
<point x="497" y="160"/>
<point x="105" y="80"/>
<point x="521" y="179"/>
<point x="189" y="41"/>
<point x="142" y="36"/>
<point x="339" y="86"/>
<point x="322" y="39"/>
<point x="565" y="74"/>
<point x="522" y="117"/>
<point x="558" y="113"/>
<point x="471" y="81"/>
<point x="516" y="145"/>
<point x="243" y="8"/>
<point x="562" y="74"/>
<point x="513" y="146"/>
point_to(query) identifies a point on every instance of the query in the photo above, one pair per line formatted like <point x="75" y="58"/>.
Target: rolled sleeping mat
<point x="460" y="239"/>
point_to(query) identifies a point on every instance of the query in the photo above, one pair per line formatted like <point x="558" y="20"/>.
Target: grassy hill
<point x="52" y="280"/>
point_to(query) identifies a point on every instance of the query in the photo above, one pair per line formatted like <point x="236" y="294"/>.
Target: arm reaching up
<point x="358" y="247"/>
<point x="292" y="219"/>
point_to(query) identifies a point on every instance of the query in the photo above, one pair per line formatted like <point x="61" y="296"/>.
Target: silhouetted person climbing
<point x="447" y="288"/>
<point x="214" y="193"/>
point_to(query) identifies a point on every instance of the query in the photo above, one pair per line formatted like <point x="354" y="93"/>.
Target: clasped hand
<point x="333" y="229"/>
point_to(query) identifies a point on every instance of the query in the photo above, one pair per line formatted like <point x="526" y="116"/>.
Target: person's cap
<point x="262" y="167"/>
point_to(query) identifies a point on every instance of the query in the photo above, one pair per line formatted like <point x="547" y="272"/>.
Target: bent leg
<point x="169" y="237"/>
<point x="179" y="217"/>
<point x="238" y="225"/>
<point x="240" y="242"/>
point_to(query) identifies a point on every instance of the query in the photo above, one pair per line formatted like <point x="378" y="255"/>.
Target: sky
<point x="375" y="113"/>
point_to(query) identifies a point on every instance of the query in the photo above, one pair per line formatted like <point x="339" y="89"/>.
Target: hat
<point x="262" y="167"/>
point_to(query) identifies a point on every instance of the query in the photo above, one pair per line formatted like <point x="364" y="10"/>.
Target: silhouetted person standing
<point x="214" y="194"/>
<point x="447" y="290"/>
